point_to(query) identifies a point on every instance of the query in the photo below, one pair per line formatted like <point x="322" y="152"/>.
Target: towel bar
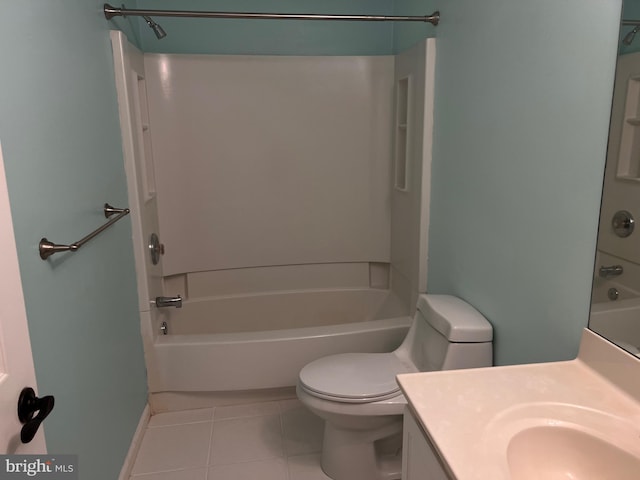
<point x="48" y="248"/>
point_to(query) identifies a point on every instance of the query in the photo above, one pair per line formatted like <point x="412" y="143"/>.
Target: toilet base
<point x="363" y="455"/>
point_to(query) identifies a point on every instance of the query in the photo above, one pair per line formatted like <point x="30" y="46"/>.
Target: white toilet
<point x="360" y="401"/>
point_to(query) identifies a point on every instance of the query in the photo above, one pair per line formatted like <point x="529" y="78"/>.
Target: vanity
<point x="577" y="419"/>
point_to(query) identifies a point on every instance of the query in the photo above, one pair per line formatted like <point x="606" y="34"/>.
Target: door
<point x="138" y="161"/>
<point x="16" y="362"/>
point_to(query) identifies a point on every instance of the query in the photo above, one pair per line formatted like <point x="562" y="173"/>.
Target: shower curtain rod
<point x="111" y="11"/>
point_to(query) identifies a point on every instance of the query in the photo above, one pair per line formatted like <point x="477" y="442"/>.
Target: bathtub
<point x="601" y="287"/>
<point x="261" y="341"/>
<point x="618" y="321"/>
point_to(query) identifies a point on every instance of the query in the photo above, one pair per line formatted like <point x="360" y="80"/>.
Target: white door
<point x="16" y="362"/>
<point x="138" y="161"/>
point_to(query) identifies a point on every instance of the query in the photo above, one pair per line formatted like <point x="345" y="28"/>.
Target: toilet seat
<point x="353" y="377"/>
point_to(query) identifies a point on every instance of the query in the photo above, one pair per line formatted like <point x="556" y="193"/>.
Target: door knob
<point x="28" y="405"/>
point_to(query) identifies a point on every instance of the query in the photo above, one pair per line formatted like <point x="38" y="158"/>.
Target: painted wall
<point x="532" y="113"/>
<point x="271" y="37"/>
<point x="61" y="139"/>
<point x="407" y="34"/>
<point x="521" y="126"/>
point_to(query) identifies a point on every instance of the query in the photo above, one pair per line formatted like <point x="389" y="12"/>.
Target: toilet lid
<point x="353" y="376"/>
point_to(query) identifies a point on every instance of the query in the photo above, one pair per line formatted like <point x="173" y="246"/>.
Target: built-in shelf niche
<point x="403" y="94"/>
<point x="629" y="156"/>
<point x="142" y="113"/>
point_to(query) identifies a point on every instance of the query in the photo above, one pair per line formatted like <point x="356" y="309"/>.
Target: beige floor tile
<point x="244" y="411"/>
<point x="306" y="467"/>
<point x="181" y="417"/>
<point x="302" y="429"/>
<point x="173" y="448"/>
<point x="246" y="439"/>
<point x="272" y="469"/>
<point x="191" y="474"/>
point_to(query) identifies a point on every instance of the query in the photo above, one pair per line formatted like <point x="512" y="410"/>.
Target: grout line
<point x="284" y="448"/>
<point x="210" y="450"/>
<point x="181" y="423"/>
<point x="141" y="476"/>
<point x="210" y="456"/>
<point x="283" y="439"/>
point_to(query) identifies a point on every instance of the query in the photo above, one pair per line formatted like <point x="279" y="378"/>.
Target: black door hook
<point x="28" y="405"/>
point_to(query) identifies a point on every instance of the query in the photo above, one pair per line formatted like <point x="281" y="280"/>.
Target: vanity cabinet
<point x="419" y="459"/>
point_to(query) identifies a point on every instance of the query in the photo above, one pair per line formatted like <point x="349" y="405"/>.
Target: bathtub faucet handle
<point x="169" y="301"/>
<point x="611" y="271"/>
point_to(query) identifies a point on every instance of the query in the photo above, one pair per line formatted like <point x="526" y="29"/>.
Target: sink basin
<point x="565" y="453"/>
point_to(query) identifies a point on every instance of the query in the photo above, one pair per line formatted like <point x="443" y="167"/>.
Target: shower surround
<point x="286" y="227"/>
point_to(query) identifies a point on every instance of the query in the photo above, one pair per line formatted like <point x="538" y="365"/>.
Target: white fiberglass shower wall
<point x="280" y="209"/>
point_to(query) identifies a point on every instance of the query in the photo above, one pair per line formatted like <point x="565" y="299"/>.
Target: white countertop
<point x="470" y="415"/>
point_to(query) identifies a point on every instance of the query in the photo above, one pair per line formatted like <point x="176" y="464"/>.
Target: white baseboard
<point x="130" y="459"/>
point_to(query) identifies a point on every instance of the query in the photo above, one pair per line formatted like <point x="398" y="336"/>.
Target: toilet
<point x="357" y="396"/>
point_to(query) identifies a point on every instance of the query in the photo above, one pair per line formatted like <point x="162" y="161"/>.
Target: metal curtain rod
<point x="111" y="11"/>
<point x="631" y="22"/>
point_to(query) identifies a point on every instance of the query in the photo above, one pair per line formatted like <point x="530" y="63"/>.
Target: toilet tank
<point x="447" y="334"/>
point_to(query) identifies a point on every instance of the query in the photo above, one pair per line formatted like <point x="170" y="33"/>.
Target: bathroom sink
<point x="553" y="452"/>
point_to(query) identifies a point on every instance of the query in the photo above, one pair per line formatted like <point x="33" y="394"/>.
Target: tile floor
<point x="266" y="441"/>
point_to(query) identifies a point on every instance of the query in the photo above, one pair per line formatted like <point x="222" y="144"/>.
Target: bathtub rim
<point x="282" y="334"/>
<point x="266" y="359"/>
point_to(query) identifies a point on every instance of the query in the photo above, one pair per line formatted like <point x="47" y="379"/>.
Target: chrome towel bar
<point x="48" y="248"/>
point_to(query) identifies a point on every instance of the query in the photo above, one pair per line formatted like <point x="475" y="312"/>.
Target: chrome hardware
<point x="164" y="328"/>
<point x="111" y="12"/>
<point x="48" y="248"/>
<point x="613" y="294"/>
<point x="155" y="248"/>
<point x="162" y="302"/>
<point x="623" y="223"/>
<point x="611" y="271"/>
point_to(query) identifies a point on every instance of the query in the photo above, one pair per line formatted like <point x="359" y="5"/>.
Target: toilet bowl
<point x="357" y="396"/>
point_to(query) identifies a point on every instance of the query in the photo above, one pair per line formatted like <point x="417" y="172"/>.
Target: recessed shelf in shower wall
<point x="629" y="155"/>
<point x="401" y="137"/>
<point x="144" y="142"/>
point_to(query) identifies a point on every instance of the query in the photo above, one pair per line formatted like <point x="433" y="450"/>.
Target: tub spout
<point x="611" y="271"/>
<point x="169" y="301"/>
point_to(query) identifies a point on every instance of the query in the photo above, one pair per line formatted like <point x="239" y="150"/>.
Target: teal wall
<point x="407" y="34"/>
<point x="271" y="37"/>
<point x="520" y="138"/>
<point x="521" y="124"/>
<point x="61" y="140"/>
<point x="130" y="26"/>
<point x="523" y="92"/>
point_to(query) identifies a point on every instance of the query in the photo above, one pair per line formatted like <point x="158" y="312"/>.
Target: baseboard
<point x="130" y="459"/>
<point x="171" y="401"/>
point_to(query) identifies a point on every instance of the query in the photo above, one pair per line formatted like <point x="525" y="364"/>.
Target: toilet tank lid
<point x="455" y="319"/>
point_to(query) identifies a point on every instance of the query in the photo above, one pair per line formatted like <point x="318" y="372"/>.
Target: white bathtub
<point x="618" y="321"/>
<point x="290" y="329"/>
